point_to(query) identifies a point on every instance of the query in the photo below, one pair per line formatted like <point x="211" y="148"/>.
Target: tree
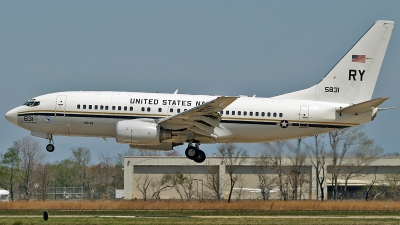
<point x="143" y="188"/>
<point x="212" y="183"/>
<point x="30" y="154"/>
<point x="11" y="161"/>
<point x="106" y="162"/>
<point x="81" y="159"/>
<point x="43" y="176"/>
<point x="361" y="151"/>
<point x="317" y="157"/>
<point x="66" y="174"/>
<point x="232" y="158"/>
<point x="262" y="164"/>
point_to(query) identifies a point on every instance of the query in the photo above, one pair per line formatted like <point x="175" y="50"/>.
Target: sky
<point x="263" y="48"/>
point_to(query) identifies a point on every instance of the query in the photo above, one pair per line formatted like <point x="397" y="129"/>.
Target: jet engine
<point x="140" y="132"/>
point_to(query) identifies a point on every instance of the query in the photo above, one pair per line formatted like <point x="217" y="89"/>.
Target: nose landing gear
<point x="50" y="146"/>
<point x="194" y="153"/>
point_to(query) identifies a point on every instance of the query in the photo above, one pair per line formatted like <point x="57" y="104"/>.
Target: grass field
<point x="194" y="212"/>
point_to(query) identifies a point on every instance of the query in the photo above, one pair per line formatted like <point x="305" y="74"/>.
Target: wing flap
<point x="201" y="119"/>
<point x="363" y="106"/>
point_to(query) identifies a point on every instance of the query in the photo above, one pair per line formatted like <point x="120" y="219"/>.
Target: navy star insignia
<point x="284" y="124"/>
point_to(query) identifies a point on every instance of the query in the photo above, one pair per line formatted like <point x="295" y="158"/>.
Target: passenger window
<point x="233" y="113"/>
<point x="274" y="114"/>
<point x="251" y="113"/>
<point x="171" y="109"/>
<point x="113" y="108"/>
<point x="142" y="109"/>
<point x="239" y="113"/>
<point x="131" y="108"/>
<point x="78" y="106"/>
<point x="148" y="109"/>
<point x="90" y="106"/>
<point x="159" y="109"/>
<point x="119" y="108"/>
<point x="106" y="107"/>
<point x="178" y="110"/>
<point x="269" y="114"/>
<point x="101" y="107"/>
<point x="227" y="112"/>
<point x="263" y="114"/>
<point x="84" y="106"/>
<point x="280" y="114"/>
<point x="257" y="113"/>
<point x="125" y="108"/>
<point x="245" y="113"/>
<point x="222" y="112"/>
<point x="96" y="107"/>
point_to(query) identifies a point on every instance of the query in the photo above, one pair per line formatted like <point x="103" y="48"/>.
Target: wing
<point x="202" y="119"/>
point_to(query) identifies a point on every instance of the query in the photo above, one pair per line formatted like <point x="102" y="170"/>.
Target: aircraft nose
<point x="12" y="116"/>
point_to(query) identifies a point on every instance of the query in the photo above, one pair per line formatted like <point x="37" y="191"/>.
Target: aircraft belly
<point x="93" y="127"/>
<point x="265" y="133"/>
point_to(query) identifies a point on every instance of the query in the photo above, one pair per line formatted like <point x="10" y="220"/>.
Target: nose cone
<point x="12" y="116"/>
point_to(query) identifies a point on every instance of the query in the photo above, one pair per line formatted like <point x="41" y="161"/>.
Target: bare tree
<point x="241" y="183"/>
<point x="371" y="185"/>
<point x="232" y="158"/>
<point x="107" y="162"/>
<point x="143" y="188"/>
<point x="361" y="151"/>
<point x="31" y="155"/>
<point x="262" y="164"/>
<point x="296" y="173"/>
<point x="317" y="157"/>
<point x="276" y="149"/>
<point x="43" y="177"/>
<point x="212" y="183"/>
<point x="158" y="186"/>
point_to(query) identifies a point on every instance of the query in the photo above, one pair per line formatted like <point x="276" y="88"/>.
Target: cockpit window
<point x="32" y="103"/>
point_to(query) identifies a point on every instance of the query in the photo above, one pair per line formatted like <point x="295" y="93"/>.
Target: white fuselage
<point x="249" y="119"/>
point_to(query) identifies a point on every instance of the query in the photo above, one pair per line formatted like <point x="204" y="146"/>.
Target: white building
<point x="142" y="173"/>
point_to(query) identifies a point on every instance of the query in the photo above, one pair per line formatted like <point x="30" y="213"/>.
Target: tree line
<point x="27" y="175"/>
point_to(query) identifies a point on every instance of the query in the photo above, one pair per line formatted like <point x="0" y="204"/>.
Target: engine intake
<point x="140" y="132"/>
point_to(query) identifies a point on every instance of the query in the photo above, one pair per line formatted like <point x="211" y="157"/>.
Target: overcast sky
<point x="234" y="48"/>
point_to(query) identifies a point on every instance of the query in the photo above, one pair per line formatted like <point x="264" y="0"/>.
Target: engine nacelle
<point x="140" y="132"/>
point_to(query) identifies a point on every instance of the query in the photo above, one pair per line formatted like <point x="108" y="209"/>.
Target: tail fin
<point x="353" y="78"/>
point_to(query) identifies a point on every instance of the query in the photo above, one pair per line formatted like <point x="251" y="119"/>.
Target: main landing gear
<point x="50" y="146"/>
<point x="194" y="153"/>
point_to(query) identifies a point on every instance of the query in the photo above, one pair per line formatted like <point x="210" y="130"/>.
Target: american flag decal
<point x="358" y="58"/>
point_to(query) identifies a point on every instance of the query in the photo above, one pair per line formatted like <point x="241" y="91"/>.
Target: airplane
<point x="161" y="121"/>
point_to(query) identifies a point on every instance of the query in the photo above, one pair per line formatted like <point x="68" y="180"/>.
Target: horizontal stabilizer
<point x="362" y="107"/>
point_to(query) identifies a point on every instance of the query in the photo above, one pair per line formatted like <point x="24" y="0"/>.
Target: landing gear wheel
<point x="50" y="147"/>
<point x="201" y="157"/>
<point x="191" y="152"/>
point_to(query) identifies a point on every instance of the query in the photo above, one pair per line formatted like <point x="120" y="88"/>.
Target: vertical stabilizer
<point x="353" y="78"/>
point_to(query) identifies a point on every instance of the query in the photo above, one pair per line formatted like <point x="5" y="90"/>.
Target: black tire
<point x="50" y="148"/>
<point x="192" y="152"/>
<point x="201" y="157"/>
